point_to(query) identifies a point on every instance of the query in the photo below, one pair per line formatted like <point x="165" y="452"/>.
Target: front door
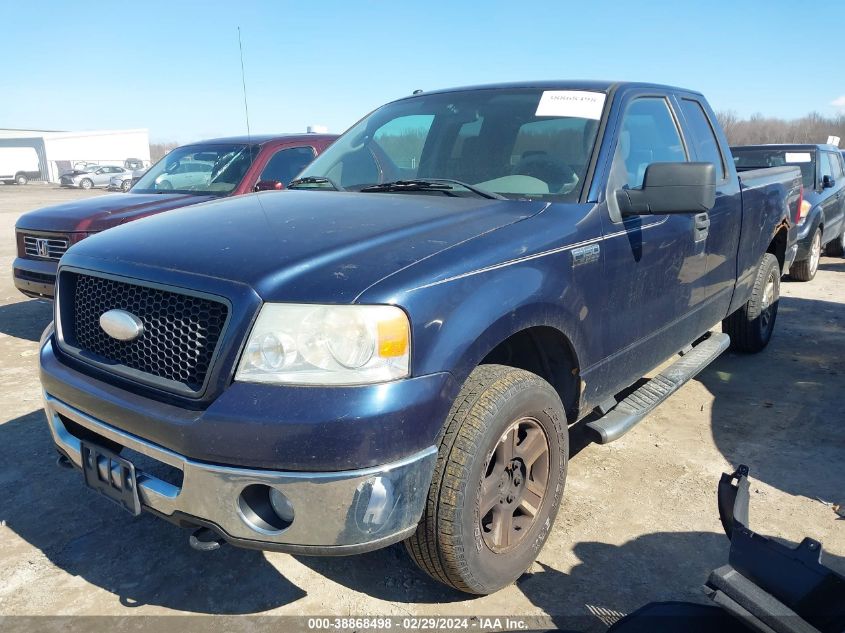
<point x="654" y="264"/>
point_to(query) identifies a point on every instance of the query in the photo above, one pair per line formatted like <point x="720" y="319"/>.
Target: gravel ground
<point x="639" y="522"/>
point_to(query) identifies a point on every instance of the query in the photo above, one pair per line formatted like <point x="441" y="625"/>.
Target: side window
<point x="403" y="138"/>
<point x="835" y="166"/>
<point x="648" y="134"/>
<point x="705" y="138"/>
<point x="285" y="164"/>
<point x="824" y="166"/>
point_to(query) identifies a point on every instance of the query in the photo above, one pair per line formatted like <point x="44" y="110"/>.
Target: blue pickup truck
<point x="394" y="348"/>
<point x="821" y="221"/>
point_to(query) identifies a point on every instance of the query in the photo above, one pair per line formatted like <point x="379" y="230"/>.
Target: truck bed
<point x="764" y="192"/>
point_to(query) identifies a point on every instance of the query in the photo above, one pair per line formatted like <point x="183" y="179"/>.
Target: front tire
<point x="497" y="484"/>
<point x="86" y="183"/>
<point x="21" y="179"/>
<point x="806" y="269"/>
<point x="751" y="327"/>
<point x="126" y="186"/>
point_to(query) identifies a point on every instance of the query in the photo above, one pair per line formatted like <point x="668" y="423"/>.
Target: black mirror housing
<point x="671" y="188"/>
<point x="828" y="182"/>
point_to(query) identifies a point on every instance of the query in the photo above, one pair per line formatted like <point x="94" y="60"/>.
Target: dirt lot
<point x="639" y="521"/>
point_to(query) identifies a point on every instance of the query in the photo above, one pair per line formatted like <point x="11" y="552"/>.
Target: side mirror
<point x="827" y="182"/>
<point x="671" y="188"/>
<point x="268" y="185"/>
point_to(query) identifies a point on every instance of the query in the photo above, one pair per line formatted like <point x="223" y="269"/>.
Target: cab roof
<point x="260" y="139"/>
<point x="568" y="84"/>
<point x="798" y="146"/>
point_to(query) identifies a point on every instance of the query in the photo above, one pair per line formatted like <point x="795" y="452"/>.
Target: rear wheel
<point x="21" y="179"/>
<point x="751" y="327"/>
<point x="86" y="183"/>
<point x="127" y="185"/>
<point x="836" y="248"/>
<point x="806" y="269"/>
<point x="497" y="484"/>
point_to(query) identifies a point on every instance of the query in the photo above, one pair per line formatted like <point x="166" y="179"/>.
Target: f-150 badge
<point x="585" y="254"/>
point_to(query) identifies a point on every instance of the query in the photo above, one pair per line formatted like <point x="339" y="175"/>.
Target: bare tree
<point x="812" y="128"/>
<point x="158" y="150"/>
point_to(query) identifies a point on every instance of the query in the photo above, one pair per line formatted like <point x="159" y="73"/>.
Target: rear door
<point x="720" y="235"/>
<point x="834" y="206"/>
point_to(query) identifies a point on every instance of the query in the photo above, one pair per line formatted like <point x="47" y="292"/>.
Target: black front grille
<point x="180" y="334"/>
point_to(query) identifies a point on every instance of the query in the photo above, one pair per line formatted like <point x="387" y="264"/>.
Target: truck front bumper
<point x="334" y="513"/>
<point x="34" y="277"/>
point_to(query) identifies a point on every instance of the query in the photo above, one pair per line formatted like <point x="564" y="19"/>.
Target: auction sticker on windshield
<point x="798" y="157"/>
<point x="575" y="103"/>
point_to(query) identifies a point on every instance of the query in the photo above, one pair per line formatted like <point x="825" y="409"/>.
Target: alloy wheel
<point x="514" y="485"/>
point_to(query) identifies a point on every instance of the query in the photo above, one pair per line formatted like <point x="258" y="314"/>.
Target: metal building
<point x="60" y="151"/>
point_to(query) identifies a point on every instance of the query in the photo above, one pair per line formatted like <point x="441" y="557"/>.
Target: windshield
<point x="518" y="143"/>
<point x="759" y="158"/>
<point x="199" y="169"/>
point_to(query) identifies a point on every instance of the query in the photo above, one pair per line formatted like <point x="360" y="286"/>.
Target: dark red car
<point x="187" y="175"/>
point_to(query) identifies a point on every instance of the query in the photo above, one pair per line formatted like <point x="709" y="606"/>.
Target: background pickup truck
<point x="821" y="222"/>
<point x="187" y="175"/>
<point x="394" y="348"/>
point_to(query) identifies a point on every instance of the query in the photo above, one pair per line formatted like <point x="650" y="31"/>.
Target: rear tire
<point x="836" y="248"/>
<point x="126" y="186"/>
<point x="86" y="183"/>
<point x="751" y="327"/>
<point x="806" y="269"/>
<point x="504" y="446"/>
<point x="21" y="179"/>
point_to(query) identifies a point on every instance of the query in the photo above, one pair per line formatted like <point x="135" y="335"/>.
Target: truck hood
<point x="103" y="212"/>
<point x="308" y="246"/>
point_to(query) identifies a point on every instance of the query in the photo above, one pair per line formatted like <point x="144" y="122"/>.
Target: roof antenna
<point x="243" y="83"/>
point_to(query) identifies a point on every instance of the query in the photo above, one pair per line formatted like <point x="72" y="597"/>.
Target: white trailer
<point x="59" y="152"/>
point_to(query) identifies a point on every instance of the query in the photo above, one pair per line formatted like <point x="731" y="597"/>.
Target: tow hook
<point x="205" y="540"/>
<point x="63" y="461"/>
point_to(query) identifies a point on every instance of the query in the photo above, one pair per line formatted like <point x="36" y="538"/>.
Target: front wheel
<point x="86" y="183"/>
<point x="127" y="185"/>
<point x="21" y="179"/>
<point x="751" y="327"/>
<point x="497" y="484"/>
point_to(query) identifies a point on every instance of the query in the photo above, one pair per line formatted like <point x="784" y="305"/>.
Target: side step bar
<point x="625" y="415"/>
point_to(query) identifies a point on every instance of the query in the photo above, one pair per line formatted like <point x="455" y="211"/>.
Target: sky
<point x="174" y="68"/>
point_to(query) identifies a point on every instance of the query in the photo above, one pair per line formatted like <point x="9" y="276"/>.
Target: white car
<point x="186" y="174"/>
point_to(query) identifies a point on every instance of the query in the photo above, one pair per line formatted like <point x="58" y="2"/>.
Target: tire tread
<point x="435" y="546"/>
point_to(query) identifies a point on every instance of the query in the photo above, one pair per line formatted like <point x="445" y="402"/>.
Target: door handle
<point x="702" y="226"/>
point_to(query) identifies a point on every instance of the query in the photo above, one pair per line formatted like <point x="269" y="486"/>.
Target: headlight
<point x="326" y="345"/>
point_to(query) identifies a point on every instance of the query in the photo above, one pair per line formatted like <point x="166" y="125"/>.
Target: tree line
<point x="812" y="128"/>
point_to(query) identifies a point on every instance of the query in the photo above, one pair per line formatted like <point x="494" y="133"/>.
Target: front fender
<point x="464" y="319"/>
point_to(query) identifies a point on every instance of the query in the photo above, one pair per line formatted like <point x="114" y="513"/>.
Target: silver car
<point x="92" y="176"/>
<point x="124" y="182"/>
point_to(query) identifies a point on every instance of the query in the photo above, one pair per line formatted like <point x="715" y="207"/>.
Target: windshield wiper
<point x="314" y="180"/>
<point x="429" y="184"/>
